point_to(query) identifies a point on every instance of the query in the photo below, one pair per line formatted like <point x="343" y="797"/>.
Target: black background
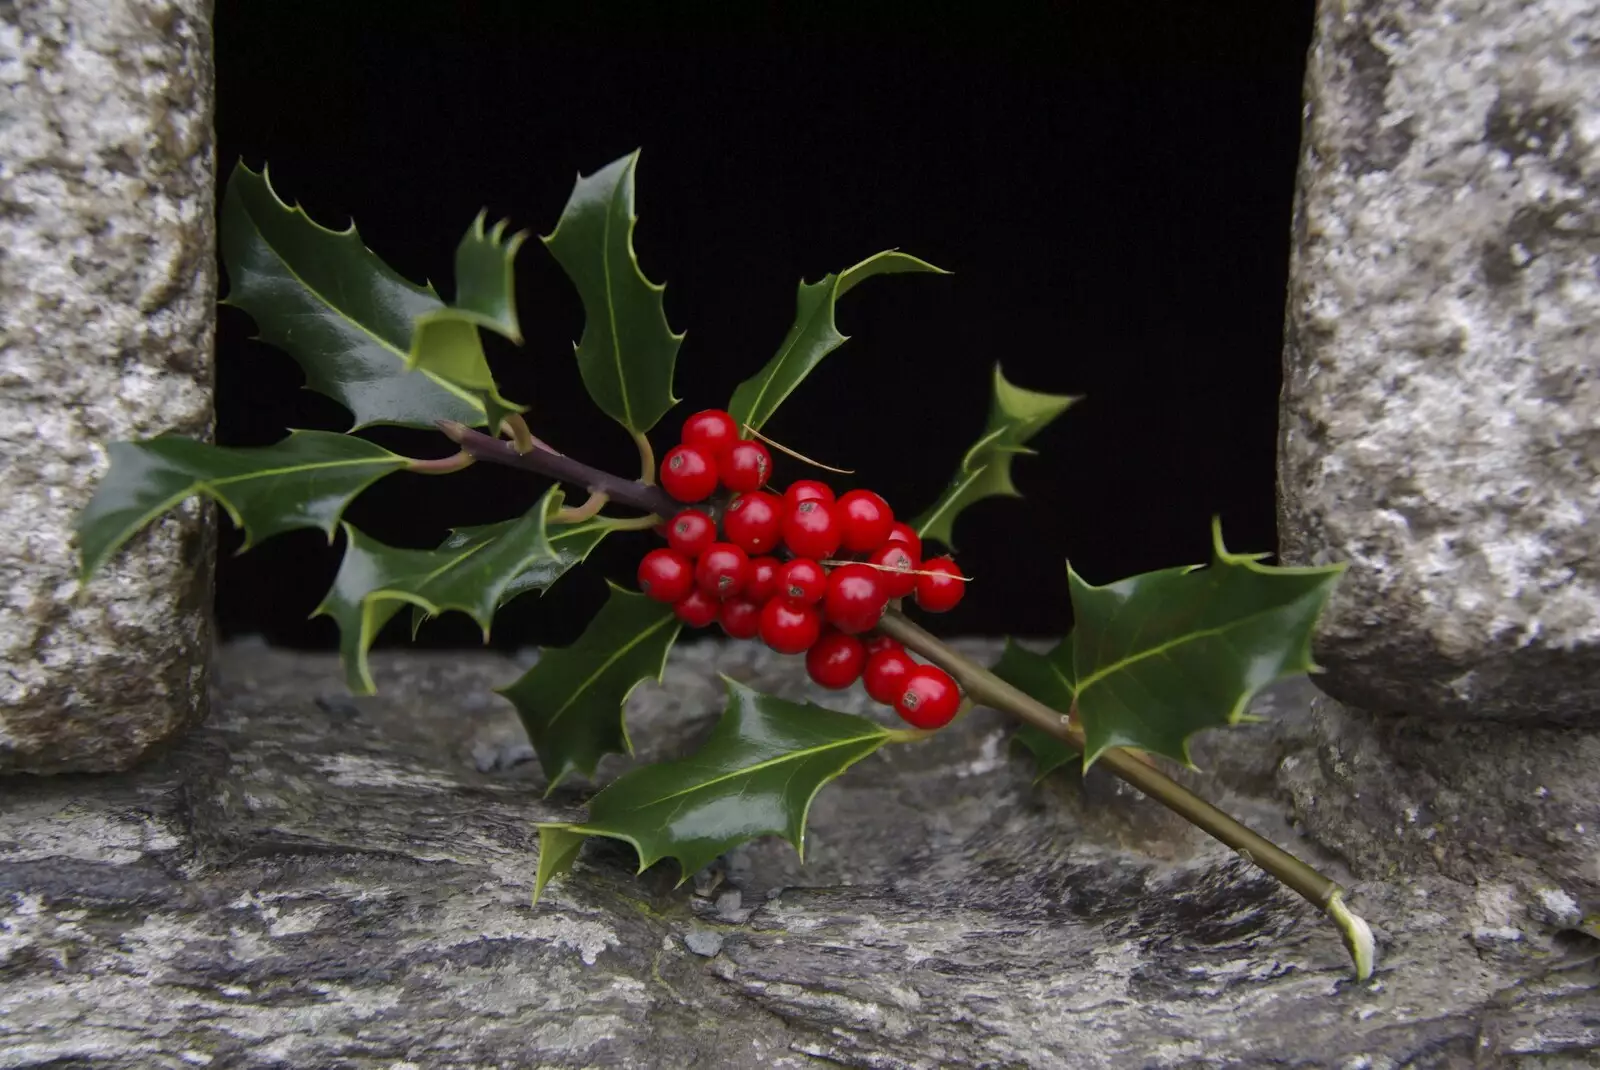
<point x="1110" y="183"/>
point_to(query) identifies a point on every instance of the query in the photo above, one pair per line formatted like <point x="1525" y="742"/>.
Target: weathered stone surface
<point x="1479" y="803"/>
<point x="108" y="282"/>
<point x="315" y="883"/>
<point x="1441" y="404"/>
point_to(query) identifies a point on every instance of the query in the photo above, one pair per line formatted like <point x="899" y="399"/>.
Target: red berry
<point x="754" y="522"/>
<point x="928" y="698"/>
<point x="835" y="660"/>
<point x="745" y="467"/>
<point x="696" y="609"/>
<point x="711" y="429"/>
<point x="690" y="532"/>
<point x="806" y="489"/>
<point x="878" y="641"/>
<point x="761" y="583"/>
<point x="721" y="570"/>
<point x="903" y="532"/>
<point x="811" y="529"/>
<point x="688" y="473"/>
<point x="741" y="618"/>
<point x="666" y="575"/>
<point x="944" y="588"/>
<point x="897" y="565"/>
<point x="856" y="598"/>
<point x="866" y="519"/>
<point x="885" y="675"/>
<point x="789" y="629"/>
<point x="802" y="582"/>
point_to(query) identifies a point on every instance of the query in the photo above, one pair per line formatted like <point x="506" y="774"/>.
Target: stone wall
<point x="1441" y="402"/>
<point x="108" y="283"/>
<point x="1441" y="433"/>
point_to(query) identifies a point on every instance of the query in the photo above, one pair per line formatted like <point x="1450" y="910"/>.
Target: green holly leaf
<point x="570" y="545"/>
<point x="375" y="580"/>
<point x="558" y="849"/>
<point x="813" y="336"/>
<point x="1015" y="417"/>
<point x="1046" y="678"/>
<point x="303" y="481"/>
<point x="347" y="317"/>
<point x="627" y="353"/>
<point x="755" y="776"/>
<point x="571" y="702"/>
<point x="485" y="284"/>
<point x="445" y="342"/>
<point x="1157" y="657"/>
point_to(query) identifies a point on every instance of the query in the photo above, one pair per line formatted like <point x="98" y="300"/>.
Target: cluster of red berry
<point x="806" y="572"/>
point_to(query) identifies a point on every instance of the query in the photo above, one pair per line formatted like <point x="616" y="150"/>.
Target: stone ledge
<point x="318" y="881"/>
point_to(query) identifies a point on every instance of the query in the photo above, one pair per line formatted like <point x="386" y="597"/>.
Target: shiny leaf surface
<point x="375" y="580"/>
<point x="813" y="336"/>
<point x="1015" y="417"/>
<point x="485" y="283"/>
<point x="445" y="342"/>
<point x="1157" y="657"/>
<point x="570" y="545"/>
<point x="571" y="702"/>
<point x="347" y="317"/>
<point x="628" y="351"/>
<point x="755" y="776"/>
<point x="304" y="481"/>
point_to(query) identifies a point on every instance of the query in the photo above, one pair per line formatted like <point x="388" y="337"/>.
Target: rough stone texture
<point x="1441" y="404"/>
<point x="1476" y="803"/>
<point x="108" y="286"/>
<point x="315" y="881"/>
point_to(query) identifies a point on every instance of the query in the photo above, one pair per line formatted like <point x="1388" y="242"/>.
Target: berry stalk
<point x="985" y="687"/>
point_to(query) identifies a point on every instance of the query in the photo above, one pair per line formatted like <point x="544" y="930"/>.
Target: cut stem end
<point x="1356" y="933"/>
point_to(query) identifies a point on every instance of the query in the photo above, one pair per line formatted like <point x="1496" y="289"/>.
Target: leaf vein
<point x="1204" y="633"/>
<point x="604" y="665"/>
<point x="798" y="332"/>
<point x="950" y="499"/>
<point x="363" y="328"/>
<point x="611" y="305"/>
<point x="297" y="469"/>
<point x="750" y="770"/>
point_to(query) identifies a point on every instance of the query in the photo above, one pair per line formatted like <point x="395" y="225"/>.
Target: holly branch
<point x="1151" y="659"/>
<point x="984" y="686"/>
<point x="545" y="461"/>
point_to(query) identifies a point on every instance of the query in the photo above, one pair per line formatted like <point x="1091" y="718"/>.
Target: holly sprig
<point x="831" y="576"/>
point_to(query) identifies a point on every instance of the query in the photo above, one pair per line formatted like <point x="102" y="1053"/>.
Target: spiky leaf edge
<point x="937" y="523"/>
<point x="408" y="357"/>
<point x="360" y="679"/>
<point x="564" y="839"/>
<point x="625" y="187"/>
